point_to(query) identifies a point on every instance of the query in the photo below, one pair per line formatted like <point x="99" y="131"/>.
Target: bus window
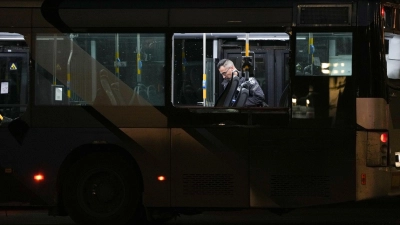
<point x="324" y="54"/>
<point x="100" y="69"/>
<point x="268" y="51"/>
<point x="188" y="70"/>
<point x="393" y="56"/>
<point x="392" y="42"/>
<point x="323" y="66"/>
<point x="14" y="73"/>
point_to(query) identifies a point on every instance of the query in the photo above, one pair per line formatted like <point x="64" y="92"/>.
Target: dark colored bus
<point x="114" y="110"/>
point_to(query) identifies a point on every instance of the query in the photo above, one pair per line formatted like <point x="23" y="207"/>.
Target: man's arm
<point x="252" y="85"/>
<point x="256" y="94"/>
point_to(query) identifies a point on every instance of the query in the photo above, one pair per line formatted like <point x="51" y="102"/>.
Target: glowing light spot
<point x="384" y="137"/>
<point x="38" y="177"/>
<point x="325" y="65"/>
<point x="326" y="71"/>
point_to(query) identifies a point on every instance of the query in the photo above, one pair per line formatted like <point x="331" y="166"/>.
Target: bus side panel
<point x="42" y="151"/>
<point x="154" y="161"/>
<point x="13" y="189"/>
<point x="209" y="167"/>
<point x="371" y="181"/>
<point x="13" y="17"/>
<point x="301" y="167"/>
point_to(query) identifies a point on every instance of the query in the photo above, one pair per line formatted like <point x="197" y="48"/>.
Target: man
<point x="256" y="95"/>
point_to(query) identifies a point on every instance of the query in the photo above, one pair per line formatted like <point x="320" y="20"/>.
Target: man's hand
<point x="246" y="84"/>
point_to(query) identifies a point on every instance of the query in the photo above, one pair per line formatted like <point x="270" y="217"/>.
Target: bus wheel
<point x="102" y="188"/>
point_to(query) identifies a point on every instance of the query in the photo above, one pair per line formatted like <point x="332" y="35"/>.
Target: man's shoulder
<point x="253" y="80"/>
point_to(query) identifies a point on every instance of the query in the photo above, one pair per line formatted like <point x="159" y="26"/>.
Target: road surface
<point x="378" y="211"/>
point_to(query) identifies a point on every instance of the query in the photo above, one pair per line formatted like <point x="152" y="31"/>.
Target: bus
<point x="114" y="110"/>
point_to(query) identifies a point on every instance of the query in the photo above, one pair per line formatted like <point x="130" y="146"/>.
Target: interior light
<point x="266" y="38"/>
<point x="11" y="36"/>
<point x="161" y="178"/>
<point x="294" y="100"/>
<point x="325" y="65"/>
<point x="326" y="71"/>
<point x="38" y="177"/>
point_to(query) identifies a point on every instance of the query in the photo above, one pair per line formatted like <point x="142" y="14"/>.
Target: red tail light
<point x="384" y="137"/>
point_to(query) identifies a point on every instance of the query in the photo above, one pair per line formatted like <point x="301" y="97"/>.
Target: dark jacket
<point x="256" y="94"/>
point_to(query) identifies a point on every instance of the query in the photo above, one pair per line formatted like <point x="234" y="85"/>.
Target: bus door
<point x="267" y="126"/>
<point x="14" y="75"/>
<point x="212" y="146"/>
<point x="14" y="83"/>
<point x="307" y="162"/>
<point x="209" y="145"/>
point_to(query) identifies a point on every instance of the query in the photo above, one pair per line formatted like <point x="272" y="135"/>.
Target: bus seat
<point x="242" y="98"/>
<point x="226" y="98"/>
<point x="139" y="95"/>
<point x="117" y="93"/>
<point x="107" y="88"/>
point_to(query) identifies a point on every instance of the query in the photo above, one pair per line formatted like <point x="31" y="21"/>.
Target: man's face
<point x="226" y="72"/>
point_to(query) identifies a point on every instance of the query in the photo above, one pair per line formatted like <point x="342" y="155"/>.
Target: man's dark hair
<point x="221" y="63"/>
